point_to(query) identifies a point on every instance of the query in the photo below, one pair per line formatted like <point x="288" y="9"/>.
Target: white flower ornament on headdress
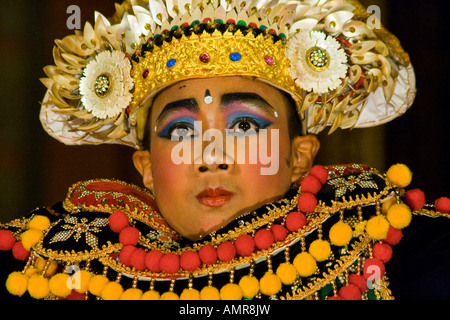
<point x="318" y="63"/>
<point x="106" y="84"/>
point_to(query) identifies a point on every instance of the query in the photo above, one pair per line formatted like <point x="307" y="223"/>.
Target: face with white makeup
<point x="200" y="196"/>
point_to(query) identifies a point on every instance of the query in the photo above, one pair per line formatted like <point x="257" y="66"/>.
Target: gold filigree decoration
<point x="348" y="184"/>
<point x="77" y="229"/>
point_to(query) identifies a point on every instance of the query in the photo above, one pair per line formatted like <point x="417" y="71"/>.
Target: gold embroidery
<point x="344" y="185"/>
<point x="77" y="229"/>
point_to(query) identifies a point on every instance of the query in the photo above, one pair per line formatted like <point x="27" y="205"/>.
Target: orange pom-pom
<point x="399" y="175"/>
<point x="394" y="236"/>
<point x="399" y="215"/>
<point x="382" y="251"/>
<point x="17" y="283"/>
<point x="125" y="254"/>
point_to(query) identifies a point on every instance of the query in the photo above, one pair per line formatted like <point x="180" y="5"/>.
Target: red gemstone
<point x="145" y="74"/>
<point x="204" y="57"/>
<point x="268" y="60"/>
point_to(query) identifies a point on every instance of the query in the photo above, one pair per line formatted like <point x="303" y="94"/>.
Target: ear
<point x="304" y="151"/>
<point x="143" y="164"/>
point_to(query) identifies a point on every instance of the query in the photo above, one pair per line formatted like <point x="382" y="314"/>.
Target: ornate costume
<point x="328" y="238"/>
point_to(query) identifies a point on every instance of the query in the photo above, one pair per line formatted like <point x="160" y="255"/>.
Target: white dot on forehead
<point x="275" y="114"/>
<point x="208" y="99"/>
<point x="156" y="128"/>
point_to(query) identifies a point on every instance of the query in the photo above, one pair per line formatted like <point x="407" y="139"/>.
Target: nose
<point x="217" y="161"/>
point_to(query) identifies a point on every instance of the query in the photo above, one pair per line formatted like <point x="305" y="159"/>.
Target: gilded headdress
<point x="341" y="69"/>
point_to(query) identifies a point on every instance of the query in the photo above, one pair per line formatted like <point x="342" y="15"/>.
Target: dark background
<point x="36" y="170"/>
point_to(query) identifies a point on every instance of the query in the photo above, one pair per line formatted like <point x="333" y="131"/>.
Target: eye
<point x="245" y="124"/>
<point x="181" y="130"/>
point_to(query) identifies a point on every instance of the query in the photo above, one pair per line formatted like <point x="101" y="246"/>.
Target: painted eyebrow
<point x="228" y="98"/>
<point x="189" y="104"/>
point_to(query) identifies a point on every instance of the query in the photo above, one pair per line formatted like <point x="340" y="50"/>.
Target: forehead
<point x="217" y="87"/>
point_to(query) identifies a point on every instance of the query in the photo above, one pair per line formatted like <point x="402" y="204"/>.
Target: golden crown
<point x="340" y="71"/>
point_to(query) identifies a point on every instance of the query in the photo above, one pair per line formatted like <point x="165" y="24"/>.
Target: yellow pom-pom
<point x="231" y="291"/>
<point x="151" y="295"/>
<point x="340" y="234"/>
<point x="96" y="284"/>
<point x="249" y="286"/>
<point x="39" y="223"/>
<point x="58" y="285"/>
<point x="131" y="294"/>
<point x="320" y="249"/>
<point x="377" y="227"/>
<point x="51" y="266"/>
<point x="170" y="295"/>
<point x="30" y="271"/>
<point x="30" y="238"/>
<point x="111" y="291"/>
<point x="38" y="287"/>
<point x="209" y="293"/>
<point x="399" y="215"/>
<point x="270" y="284"/>
<point x="190" y="294"/>
<point x="399" y="175"/>
<point x="387" y="204"/>
<point x="17" y="283"/>
<point x="80" y="281"/>
<point x="305" y="264"/>
<point x="287" y="273"/>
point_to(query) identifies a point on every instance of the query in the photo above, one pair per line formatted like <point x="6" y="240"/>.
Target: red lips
<point x="214" y="197"/>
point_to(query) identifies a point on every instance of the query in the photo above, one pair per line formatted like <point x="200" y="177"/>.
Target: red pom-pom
<point x="295" y="221"/>
<point x="307" y="202"/>
<point x="169" y="263"/>
<point x="125" y="254"/>
<point x="415" y="199"/>
<point x="279" y="232"/>
<point x="359" y="281"/>
<point x="7" y="240"/>
<point x="208" y="254"/>
<point x="152" y="260"/>
<point x="245" y="245"/>
<point x="129" y="235"/>
<point x="350" y="292"/>
<point x="137" y="259"/>
<point x="19" y="252"/>
<point x="117" y="221"/>
<point x="263" y="239"/>
<point x="311" y="184"/>
<point x="189" y="260"/>
<point x="394" y="236"/>
<point x="374" y="269"/>
<point x="334" y="298"/>
<point x="382" y="251"/>
<point x="76" y="296"/>
<point x="442" y="204"/>
<point x="226" y="251"/>
<point x="319" y="172"/>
